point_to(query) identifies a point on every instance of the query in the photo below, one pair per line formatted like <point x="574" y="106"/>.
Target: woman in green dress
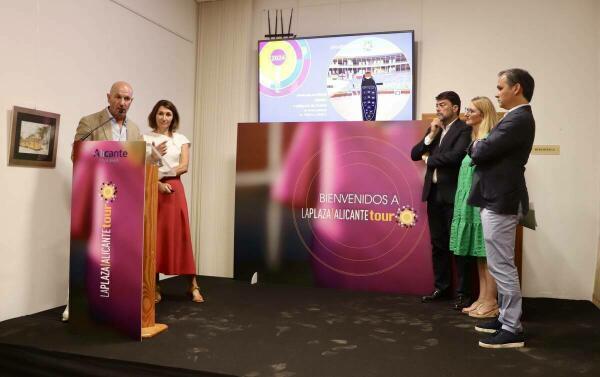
<point x="466" y="235"/>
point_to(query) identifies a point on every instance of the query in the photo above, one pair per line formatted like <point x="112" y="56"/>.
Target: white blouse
<point x="170" y="161"/>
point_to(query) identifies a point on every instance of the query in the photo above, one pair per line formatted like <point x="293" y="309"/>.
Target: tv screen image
<point x="338" y="78"/>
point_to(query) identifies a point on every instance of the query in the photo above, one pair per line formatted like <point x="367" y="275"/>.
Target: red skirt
<point x="174" y="253"/>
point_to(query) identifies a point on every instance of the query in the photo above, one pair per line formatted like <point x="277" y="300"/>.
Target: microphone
<point x="95" y="128"/>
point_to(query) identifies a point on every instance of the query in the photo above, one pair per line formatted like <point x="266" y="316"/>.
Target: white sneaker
<point x="65" y="315"/>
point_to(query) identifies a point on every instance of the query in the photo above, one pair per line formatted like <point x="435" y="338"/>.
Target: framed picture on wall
<point x="33" y="138"/>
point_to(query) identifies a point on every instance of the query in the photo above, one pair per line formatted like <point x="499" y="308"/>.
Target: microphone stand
<point x="95" y="128"/>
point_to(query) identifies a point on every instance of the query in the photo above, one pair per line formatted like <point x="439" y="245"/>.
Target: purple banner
<point x="332" y="204"/>
<point x="107" y="228"/>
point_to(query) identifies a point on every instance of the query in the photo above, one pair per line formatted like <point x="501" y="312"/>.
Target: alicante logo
<point x="406" y="217"/>
<point x="108" y="191"/>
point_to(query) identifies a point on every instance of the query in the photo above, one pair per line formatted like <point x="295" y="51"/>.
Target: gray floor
<point x="285" y="331"/>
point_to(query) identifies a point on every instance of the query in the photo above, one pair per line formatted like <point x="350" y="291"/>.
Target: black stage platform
<point x="285" y="331"/>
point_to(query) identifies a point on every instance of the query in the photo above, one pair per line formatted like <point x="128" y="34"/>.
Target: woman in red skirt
<point x="174" y="254"/>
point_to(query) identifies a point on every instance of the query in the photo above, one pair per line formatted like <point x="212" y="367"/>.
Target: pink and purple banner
<point x="332" y="204"/>
<point x="107" y="228"/>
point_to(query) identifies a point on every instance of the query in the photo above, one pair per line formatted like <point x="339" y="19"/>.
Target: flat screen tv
<point x="337" y="78"/>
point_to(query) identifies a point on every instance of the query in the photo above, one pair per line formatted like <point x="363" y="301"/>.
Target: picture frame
<point x="33" y="138"/>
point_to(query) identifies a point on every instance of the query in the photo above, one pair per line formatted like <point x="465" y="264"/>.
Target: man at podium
<point x="111" y="123"/>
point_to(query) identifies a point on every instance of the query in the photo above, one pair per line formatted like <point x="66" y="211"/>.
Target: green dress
<point x="466" y="233"/>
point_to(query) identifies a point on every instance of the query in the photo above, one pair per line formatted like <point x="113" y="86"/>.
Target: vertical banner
<point x="332" y="204"/>
<point x="107" y="226"/>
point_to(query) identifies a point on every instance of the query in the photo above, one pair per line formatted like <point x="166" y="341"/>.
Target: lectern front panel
<point x="107" y="213"/>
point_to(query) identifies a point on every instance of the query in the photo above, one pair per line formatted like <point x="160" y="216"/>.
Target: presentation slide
<point x="364" y="77"/>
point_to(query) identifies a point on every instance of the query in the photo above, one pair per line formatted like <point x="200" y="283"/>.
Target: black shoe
<point x="434" y="296"/>
<point x="489" y="327"/>
<point x="462" y="301"/>
<point x="503" y="339"/>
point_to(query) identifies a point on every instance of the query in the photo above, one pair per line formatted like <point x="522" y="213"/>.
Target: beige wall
<point x="461" y="45"/>
<point x="223" y="91"/>
<point x="62" y="56"/>
<point x="596" y="297"/>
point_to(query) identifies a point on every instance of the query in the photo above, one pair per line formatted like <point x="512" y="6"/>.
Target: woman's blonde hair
<point x="488" y="114"/>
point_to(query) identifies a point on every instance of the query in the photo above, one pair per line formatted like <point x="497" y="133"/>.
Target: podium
<point x="113" y="239"/>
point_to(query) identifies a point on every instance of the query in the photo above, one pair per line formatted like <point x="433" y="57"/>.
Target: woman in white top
<point x="174" y="253"/>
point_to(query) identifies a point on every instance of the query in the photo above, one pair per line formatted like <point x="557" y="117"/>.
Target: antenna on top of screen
<point x="279" y="25"/>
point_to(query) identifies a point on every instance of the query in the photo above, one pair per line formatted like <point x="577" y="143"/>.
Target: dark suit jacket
<point x="499" y="178"/>
<point x="446" y="158"/>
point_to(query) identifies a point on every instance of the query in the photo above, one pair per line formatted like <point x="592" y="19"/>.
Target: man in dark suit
<point x="500" y="191"/>
<point x="443" y="148"/>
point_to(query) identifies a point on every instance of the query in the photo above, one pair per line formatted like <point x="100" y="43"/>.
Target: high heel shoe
<point x="196" y="297"/>
<point x="474" y="306"/>
<point x="485" y="312"/>
<point x="157" y="295"/>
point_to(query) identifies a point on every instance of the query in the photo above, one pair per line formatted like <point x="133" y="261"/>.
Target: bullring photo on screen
<point x="337" y="78"/>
